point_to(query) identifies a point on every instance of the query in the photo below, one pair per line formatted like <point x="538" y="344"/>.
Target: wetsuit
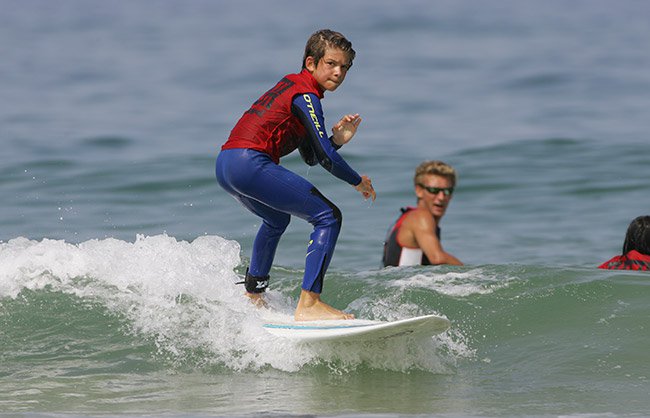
<point x="396" y="254"/>
<point x="287" y="117"/>
<point x="633" y="260"/>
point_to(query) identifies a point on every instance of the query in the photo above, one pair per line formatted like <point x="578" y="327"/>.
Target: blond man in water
<point x="414" y="239"/>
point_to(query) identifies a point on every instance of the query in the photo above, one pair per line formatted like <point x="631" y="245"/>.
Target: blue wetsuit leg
<point x="274" y="193"/>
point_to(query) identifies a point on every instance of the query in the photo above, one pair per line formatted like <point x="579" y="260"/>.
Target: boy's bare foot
<point x="312" y="308"/>
<point x="257" y="299"/>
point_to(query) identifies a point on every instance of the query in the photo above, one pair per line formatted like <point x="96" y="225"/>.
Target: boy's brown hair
<point x="326" y="38"/>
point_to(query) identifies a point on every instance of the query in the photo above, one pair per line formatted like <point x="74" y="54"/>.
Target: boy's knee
<point x="333" y="214"/>
<point x="337" y="215"/>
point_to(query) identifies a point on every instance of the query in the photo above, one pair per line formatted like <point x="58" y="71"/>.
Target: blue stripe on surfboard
<point x="310" y="327"/>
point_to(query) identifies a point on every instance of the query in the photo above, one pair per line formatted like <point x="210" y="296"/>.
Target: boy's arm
<point x="318" y="145"/>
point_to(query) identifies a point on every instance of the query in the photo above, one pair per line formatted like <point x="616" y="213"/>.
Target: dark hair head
<point x="325" y="38"/>
<point x="638" y="236"/>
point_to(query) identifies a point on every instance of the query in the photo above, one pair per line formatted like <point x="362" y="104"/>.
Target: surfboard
<point x="357" y="329"/>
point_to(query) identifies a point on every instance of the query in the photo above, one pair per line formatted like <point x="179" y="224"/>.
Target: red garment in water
<point x="633" y="260"/>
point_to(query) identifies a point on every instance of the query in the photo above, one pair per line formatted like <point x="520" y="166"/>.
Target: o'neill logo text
<point x="312" y="114"/>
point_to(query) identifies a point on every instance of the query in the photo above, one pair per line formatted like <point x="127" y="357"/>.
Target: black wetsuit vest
<point x="393" y="250"/>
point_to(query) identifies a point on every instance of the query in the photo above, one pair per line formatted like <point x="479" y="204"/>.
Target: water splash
<point x="180" y="296"/>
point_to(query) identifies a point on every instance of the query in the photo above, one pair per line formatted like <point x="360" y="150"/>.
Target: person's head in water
<point x="638" y="236"/>
<point x="434" y="186"/>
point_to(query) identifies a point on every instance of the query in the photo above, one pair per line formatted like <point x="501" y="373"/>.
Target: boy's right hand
<point x="345" y="129"/>
<point x="366" y="189"/>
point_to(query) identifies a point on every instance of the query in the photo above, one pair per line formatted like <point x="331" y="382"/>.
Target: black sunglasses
<point x="448" y="191"/>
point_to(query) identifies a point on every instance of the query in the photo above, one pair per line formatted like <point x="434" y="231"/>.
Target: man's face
<point x="330" y="71"/>
<point x="437" y="197"/>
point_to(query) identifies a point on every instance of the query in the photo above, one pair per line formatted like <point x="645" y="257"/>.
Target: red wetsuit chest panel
<point x="269" y="125"/>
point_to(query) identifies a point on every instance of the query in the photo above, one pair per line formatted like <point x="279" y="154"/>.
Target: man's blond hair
<point x="437" y="168"/>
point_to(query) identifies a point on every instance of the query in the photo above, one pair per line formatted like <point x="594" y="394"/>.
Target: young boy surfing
<point x="288" y="117"/>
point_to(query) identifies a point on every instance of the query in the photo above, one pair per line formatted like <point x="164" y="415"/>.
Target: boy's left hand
<point x="366" y="189"/>
<point x="345" y="129"/>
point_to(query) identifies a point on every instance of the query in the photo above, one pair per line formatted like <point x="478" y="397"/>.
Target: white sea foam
<point x="459" y="284"/>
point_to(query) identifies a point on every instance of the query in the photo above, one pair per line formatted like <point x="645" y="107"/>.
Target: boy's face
<point x="330" y="71"/>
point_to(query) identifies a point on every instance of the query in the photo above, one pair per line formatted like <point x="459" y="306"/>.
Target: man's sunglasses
<point x="448" y="191"/>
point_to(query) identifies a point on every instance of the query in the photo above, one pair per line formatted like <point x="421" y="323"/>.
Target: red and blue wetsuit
<point x="633" y="260"/>
<point x="286" y="117"/>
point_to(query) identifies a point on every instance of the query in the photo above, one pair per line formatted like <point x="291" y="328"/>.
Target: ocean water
<point x="118" y="250"/>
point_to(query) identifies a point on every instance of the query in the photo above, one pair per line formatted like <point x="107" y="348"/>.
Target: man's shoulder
<point x="418" y="218"/>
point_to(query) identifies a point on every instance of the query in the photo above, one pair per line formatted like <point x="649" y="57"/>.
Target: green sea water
<point x="113" y="326"/>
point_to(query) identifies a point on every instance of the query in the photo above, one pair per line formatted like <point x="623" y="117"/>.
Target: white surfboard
<point x="357" y="329"/>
